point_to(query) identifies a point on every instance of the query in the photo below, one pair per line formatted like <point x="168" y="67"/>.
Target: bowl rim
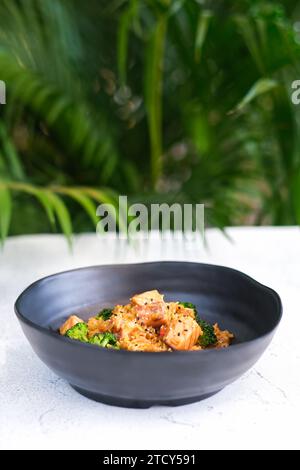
<point x="58" y="337"/>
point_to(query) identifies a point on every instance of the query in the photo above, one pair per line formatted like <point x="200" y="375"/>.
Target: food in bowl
<point x="140" y="380"/>
<point x="148" y="324"/>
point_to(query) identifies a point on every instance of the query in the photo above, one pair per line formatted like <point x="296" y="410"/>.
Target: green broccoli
<point x="106" y="313"/>
<point x="208" y="338"/>
<point x="78" y="332"/>
<point x="189" y="305"/>
<point x="105" y="340"/>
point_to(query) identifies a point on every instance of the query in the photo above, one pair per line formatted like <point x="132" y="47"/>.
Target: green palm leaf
<point x="62" y="215"/>
<point x="5" y="212"/>
<point x="262" y="86"/>
<point x="153" y="92"/>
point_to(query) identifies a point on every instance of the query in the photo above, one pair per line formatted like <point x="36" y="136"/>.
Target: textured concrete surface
<point x="261" y="410"/>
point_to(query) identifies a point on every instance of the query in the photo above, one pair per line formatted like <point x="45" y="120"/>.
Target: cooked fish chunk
<point x="183" y="333"/>
<point x="224" y="337"/>
<point x="149" y="297"/>
<point x="122" y="314"/>
<point x="150" y="309"/>
<point x="151" y="315"/>
<point x="69" y="323"/>
<point x="131" y="334"/>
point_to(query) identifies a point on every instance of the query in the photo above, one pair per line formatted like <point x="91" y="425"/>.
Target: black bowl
<point x="138" y="379"/>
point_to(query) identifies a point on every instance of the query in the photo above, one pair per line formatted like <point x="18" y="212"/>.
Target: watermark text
<point x="138" y="220"/>
<point x="2" y="92"/>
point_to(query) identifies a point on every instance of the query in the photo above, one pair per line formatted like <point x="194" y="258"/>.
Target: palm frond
<point x="67" y="120"/>
<point x="53" y="204"/>
<point x="153" y="92"/>
<point x="134" y="98"/>
<point x="5" y="212"/>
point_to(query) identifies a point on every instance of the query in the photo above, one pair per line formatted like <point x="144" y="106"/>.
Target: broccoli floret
<point x="105" y="340"/>
<point x="208" y="338"/>
<point x="106" y="313"/>
<point x="78" y="332"/>
<point x="189" y="305"/>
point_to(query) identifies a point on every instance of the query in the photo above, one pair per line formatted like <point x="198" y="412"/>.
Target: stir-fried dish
<point x="148" y="323"/>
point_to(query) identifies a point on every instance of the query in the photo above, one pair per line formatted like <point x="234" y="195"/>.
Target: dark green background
<point x="161" y="100"/>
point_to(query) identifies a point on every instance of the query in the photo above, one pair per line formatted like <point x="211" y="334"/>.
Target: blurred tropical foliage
<point x="161" y="100"/>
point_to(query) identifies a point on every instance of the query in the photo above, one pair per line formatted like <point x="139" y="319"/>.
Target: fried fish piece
<point x="150" y="309"/>
<point x="69" y="323"/>
<point x="183" y="333"/>
<point x="224" y="337"/>
<point x="121" y="315"/>
<point x="151" y="296"/>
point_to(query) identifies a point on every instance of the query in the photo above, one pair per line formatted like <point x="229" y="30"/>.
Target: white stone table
<point x="261" y="410"/>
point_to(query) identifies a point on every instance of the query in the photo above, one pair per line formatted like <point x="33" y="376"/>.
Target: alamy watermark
<point x="138" y="221"/>
<point x="296" y="92"/>
<point x="2" y="92"/>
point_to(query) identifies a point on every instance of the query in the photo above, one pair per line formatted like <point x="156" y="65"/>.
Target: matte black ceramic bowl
<point x="137" y="379"/>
